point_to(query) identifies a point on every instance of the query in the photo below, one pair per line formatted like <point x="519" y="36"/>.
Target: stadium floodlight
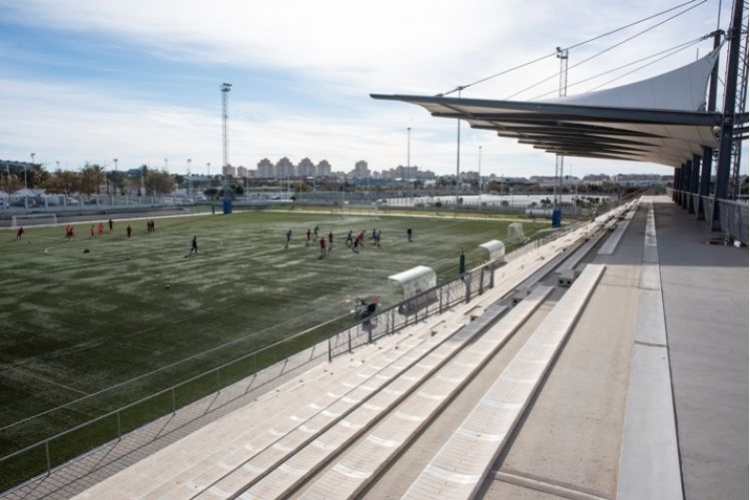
<point x="25" y="174"/>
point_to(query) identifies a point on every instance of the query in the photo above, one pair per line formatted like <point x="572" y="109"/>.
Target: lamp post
<point x="25" y="173"/>
<point x="458" y="149"/>
<point x="189" y="161"/>
<point x="115" y="179"/>
<point x="480" y="177"/>
<point x="408" y="161"/>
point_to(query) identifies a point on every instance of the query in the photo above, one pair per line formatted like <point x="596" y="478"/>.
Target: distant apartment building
<point x="324" y="168"/>
<point x="543" y="180"/>
<point x="426" y="175"/>
<point x="228" y="171"/>
<point x="285" y="168"/>
<point x="406" y="172"/>
<point x="266" y="169"/>
<point x="360" y="169"/>
<point x="638" y="180"/>
<point x="306" y="168"/>
<point x="242" y="172"/>
<point x="596" y="179"/>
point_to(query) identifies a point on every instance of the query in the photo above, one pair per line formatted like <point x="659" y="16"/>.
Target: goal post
<point x="516" y="233"/>
<point x="33" y="220"/>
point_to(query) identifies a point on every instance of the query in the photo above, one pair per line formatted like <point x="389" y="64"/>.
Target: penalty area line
<point x="44" y="379"/>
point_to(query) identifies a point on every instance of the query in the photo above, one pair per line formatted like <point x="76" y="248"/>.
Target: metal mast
<point x="225" y="88"/>
<point x="728" y="122"/>
<point x="741" y="102"/>
<point x="562" y="54"/>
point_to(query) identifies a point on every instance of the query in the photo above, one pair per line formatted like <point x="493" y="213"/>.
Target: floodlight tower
<point x="225" y="88"/>
<point x="562" y="54"/>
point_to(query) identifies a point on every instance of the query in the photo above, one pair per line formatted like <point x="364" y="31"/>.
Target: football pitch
<point x="83" y="315"/>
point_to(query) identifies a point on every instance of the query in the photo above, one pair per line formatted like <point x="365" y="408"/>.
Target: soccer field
<point x="80" y="316"/>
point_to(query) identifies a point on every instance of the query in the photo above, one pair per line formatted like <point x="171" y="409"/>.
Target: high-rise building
<point x="266" y="169"/>
<point x="228" y="171"/>
<point x="285" y="168"/>
<point x="242" y="172"/>
<point x="324" y="168"/>
<point x="306" y="168"/>
<point x="361" y="170"/>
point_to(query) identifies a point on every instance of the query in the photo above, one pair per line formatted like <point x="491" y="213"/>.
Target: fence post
<point x="330" y="357"/>
<point x="492" y="275"/>
<point x="467" y="282"/>
<point x="393" y="321"/>
<point x="49" y="460"/>
<point x="119" y="426"/>
<point x="481" y="281"/>
<point x="349" y="332"/>
<point x="440" y="299"/>
<point x="218" y="380"/>
<point x="174" y="406"/>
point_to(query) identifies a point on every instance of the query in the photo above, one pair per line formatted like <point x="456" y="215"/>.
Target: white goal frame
<point x="33" y="220"/>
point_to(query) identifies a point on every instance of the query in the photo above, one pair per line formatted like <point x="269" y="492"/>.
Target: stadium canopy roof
<point x="660" y="120"/>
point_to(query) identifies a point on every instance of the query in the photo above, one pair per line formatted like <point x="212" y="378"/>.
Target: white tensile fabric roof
<point x="659" y="120"/>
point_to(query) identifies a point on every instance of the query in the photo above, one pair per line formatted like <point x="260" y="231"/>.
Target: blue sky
<point x="139" y="80"/>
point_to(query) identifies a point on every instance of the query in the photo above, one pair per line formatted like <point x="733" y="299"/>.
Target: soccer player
<point x="111" y="225"/>
<point x="315" y="231"/>
<point x="100" y="228"/>
<point x="308" y="237"/>
<point x="194" y="245"/>
<point x="19" y="234"/>
<point x="129" y="230"/>
<point x="330" y="240"/>
<point x="349" y="239"/>
<point x="377" y="239"/>
<point x="408" y="234"/>
<point x="323" y="246"/>
<point x="92" y="230"/>
<point x="288" y="238"/>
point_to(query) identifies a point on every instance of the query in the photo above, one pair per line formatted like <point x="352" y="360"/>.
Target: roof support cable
<point x="551" y="54"/>
<point x="664" y="53"/>
<point x="608" y="49"/>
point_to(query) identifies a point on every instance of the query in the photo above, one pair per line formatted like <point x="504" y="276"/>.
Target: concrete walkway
<point x="705" y="289"/>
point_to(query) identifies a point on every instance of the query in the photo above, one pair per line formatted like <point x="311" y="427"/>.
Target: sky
<point x="90" y="81"/>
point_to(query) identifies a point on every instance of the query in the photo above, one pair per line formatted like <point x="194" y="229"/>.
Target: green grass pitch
<point x="82" y="315"/>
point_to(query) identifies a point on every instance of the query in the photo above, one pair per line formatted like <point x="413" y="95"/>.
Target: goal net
<point x="33" y="220"/>
<point x="516" y="234"/>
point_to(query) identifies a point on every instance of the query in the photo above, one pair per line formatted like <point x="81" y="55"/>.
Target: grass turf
<point x="80" y="316"/>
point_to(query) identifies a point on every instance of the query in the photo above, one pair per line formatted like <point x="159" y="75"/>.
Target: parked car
<point x="71" y="201"/>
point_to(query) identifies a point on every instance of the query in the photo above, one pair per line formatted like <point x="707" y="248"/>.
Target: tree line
<point x="91" y="179"/>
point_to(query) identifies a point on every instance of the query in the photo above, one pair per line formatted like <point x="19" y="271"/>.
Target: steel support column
<point x="675" y="184"/>
<point x="686" y="184"/>
<point x="705" y="182"/>
<point x="708" y="153"/>
<point x="694" y="174"/>
<point x="727" y="126"/>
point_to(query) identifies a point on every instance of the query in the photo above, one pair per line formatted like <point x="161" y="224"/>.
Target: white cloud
<point x="329" y="53"/>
